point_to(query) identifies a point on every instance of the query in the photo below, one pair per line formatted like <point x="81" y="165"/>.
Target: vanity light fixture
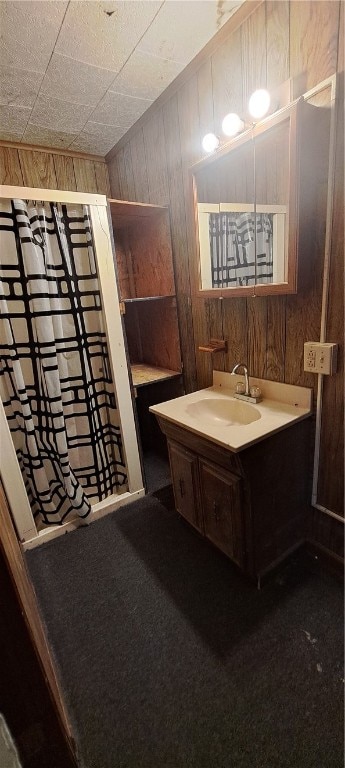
<point x="258" y="106"/>
<point x="232" y="124"/>
<point x="210" y="142"/>
<point x="259" y="103"/>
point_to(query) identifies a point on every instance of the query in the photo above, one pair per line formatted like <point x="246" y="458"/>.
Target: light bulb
<point x="210" y="142"/>
<point x="232" y="124"/>
<point x="259" y="103"/>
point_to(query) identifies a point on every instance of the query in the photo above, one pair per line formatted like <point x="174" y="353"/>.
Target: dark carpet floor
<point x="169" y="658"/>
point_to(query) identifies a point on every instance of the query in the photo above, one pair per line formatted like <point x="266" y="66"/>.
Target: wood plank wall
<point x="302" y="40"/>
<point x="46" y="169"/>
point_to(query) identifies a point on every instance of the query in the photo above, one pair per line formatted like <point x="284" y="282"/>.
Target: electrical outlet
<point x="320" y="357"/>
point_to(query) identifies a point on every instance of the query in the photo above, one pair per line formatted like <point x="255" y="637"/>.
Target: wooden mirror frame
<point x="292" y="115"/>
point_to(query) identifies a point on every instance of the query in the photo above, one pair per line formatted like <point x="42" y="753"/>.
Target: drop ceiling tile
<point x="28" y="32"/>
<point x="19" y="87"/>
<point x="98" y="139"/>
<point x="61" y="116"/>
<point x="10" y="135"/>
<point x="75" y="81"/>
<point x="181" y="29"/>
<point x="14" y="119"/>
<point x="145" y="76"/>
<point x="45" y="137"/>
<point x="119" y="109"/>
<point x="104" y="33"/>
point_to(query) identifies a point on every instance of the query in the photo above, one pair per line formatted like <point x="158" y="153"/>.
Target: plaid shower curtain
<point x="55" y="379"/>
<point x="241" y="246"/>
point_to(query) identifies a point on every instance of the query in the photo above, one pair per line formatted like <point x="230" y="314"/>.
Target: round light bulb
<point x="210" y="142"/>
<point x="259" y="103"/>
<point x="232" y="124"/>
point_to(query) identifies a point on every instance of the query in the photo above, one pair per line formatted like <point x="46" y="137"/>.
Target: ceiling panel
<point x="97" y="138"/>
<point x="79" y="74"/>
<point x="19" y="87"/>
<point x="60" y="115"/>
<point x="14" y="119"/>
<point x="75" y="81"/>
<point x="89" y="34"/>
<point x="119" y="109"/>
<point x="45" y="137"/>
<point x="181" y="29"/>
<point x="145" y="76"/>
<point x="28" y="33"/>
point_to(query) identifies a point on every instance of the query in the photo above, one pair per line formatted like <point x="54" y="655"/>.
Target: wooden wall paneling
<point x="328" y="534"/>
<point x="128" y="170"/>
<point x="254" y="56"/>
<point x="85" y="175"/>
<point x="150" y="247"/>
<point x="190" y="138"/>
<point x="179" y="238"/>
<point x="159" y="334"/>
<point x="122" y="173"/>
<point x="205" y="98"/>
<point x="341" y="43"/>
<point x="227" y="78"/>
<point x="313" y="41"/>
<point x="64" y="170"/>
<point x="276" y="338"/>
<point x="155" y="154"/>
<point x="102" y="179"/>
<point x="277" y="42"/>
<point x="27" y="598"/>
<point x="208" y="323"/>
<point x="115" y="186"/>
<point x="257" y="335"/>
<point x="331" y="471"/>
<point x="38" y="169"/>
<point x="141" y="184"/>
<point x="235" y="331"/>
<point x="133" y="333"/>
<point x="10" y="170"/>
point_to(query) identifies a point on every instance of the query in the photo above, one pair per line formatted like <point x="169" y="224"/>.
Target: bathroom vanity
<point x="240" y="473"/>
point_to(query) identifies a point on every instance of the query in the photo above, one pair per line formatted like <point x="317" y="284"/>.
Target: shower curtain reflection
<point x="54" y="369"/>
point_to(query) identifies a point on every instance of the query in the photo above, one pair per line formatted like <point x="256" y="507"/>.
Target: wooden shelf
<point x="143" y="374"/>
<point x="124" y="213"/>
<point x="148" y="298"/>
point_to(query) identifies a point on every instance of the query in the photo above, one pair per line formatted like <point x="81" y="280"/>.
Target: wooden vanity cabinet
<point x="184" y="470"/>
<point x="222" y="509"/>
<point x="251" y="505"/>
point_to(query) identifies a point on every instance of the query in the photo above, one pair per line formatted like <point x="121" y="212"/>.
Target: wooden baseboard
<point x="326" y="559"/>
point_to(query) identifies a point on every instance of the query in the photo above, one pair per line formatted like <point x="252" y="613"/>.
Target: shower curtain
<point x="55" y="379"/>
<point x="232" y="245"/>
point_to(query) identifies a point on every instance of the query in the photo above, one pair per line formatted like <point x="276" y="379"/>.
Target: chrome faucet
<point x="246" y="377"/>
<point x="255" y="395"/>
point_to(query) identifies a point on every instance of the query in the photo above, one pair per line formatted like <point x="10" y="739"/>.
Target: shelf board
<point x="124" y="212"/>
<point x="143" y="374"/>
<point x="148" y="298"/>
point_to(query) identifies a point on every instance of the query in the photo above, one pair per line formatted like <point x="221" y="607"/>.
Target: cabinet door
<point x="184" y="471"/>
<point x="222" y="510"/>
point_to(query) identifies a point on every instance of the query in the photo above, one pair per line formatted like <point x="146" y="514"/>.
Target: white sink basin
<point x="225" y="412"/>
<point x="215" y="414"/>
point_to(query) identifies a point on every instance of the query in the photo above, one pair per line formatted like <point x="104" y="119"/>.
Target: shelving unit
<point x="145" y="275"/>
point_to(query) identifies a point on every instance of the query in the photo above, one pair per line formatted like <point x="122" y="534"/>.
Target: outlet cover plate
<point x="320" y="357"/>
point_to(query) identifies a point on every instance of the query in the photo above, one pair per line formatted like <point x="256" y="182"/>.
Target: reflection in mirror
<point x="241" y="244"/>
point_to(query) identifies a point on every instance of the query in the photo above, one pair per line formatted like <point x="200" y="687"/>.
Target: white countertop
<point x="282" y="405"/>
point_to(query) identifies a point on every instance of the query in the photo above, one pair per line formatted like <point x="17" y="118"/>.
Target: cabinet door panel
<point x="221" y="503"/>
<point x="184" y="470"/>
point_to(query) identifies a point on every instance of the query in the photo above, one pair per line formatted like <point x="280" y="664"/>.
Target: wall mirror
<point x="245" y="204"/>
<point x="250" y="195"/>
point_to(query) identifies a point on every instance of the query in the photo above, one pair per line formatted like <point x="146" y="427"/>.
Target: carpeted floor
<point x="169" y="658"/>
